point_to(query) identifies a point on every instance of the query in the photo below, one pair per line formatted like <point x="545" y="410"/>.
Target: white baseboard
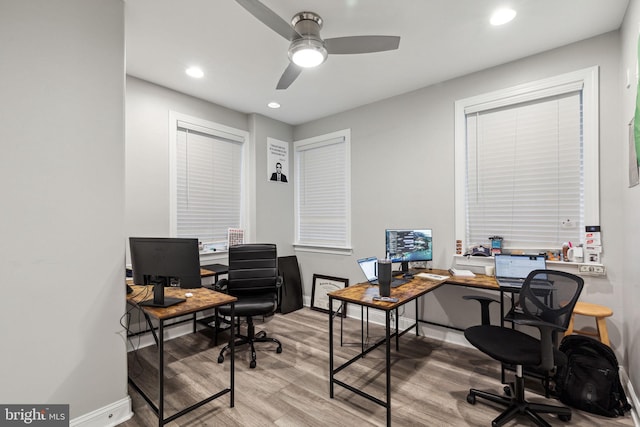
<point x="107" y="416"/>
<point x="632" y="397"/>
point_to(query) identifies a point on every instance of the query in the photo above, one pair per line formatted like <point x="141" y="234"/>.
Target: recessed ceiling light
<point x="194" y="72"/>
<point x="273" y="104"/>
<point x="502" y="16"/>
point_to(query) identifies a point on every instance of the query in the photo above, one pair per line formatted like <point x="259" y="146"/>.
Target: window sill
<point x="335" y="250"/>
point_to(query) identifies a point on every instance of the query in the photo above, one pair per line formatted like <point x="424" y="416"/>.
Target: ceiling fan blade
<point x="290" y="74"/>
<point x="361" y="44"/>
<point x="269" y="18"/>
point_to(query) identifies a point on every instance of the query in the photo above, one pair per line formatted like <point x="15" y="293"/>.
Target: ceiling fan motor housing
<point x="307" y="24"/>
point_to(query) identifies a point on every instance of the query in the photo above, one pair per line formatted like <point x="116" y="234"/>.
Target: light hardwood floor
<point x="430" y="381"/>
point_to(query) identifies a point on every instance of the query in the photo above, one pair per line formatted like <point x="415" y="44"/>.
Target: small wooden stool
<point x="600" y="312"/>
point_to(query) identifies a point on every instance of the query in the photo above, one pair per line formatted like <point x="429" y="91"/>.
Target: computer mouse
<point x="408" y="275"/>
<point x="188" y="295"/>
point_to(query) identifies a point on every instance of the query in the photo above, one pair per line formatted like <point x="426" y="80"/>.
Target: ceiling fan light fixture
<point x="307" y="52"/>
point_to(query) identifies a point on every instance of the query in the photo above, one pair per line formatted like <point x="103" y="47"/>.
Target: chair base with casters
<point x="250" y="339"/>
<point x="516" y="404"/>
<point x="514" y="401"/>
<point x="257" y="305"/>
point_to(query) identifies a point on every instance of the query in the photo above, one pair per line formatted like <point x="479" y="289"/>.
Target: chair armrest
<point x="484" y="306"/>
<point x="221" y="285"/>
<point x="279" y="282"/>
<point x="524" y="320"/>
<point x="547" y="331"/>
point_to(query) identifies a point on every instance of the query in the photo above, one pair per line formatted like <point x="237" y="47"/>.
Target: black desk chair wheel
<point x="253" y="279"/>
<point x="547" y="299"/>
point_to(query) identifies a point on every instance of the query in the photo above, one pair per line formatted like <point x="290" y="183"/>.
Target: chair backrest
<point x="551" y="295"/>
<point x="253" y="268"/>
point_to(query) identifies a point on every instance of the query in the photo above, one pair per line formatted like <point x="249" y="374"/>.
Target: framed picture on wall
<point x="322" y="285"/>
<point x="277" y="161"/>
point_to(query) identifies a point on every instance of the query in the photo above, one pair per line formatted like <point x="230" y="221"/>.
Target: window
<point x="323" y="192"/>
<point x="527" y="163"/>
<point x="206" y="179"/>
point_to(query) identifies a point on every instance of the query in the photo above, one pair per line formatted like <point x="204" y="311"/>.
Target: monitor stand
<point x="404" y="269"/>
<point x="159" y="300"/>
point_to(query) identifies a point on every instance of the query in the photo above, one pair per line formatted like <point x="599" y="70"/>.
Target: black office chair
<point x="546" y="302"/>
<point x="253" y="279"/>
<point x="543" y="376"/>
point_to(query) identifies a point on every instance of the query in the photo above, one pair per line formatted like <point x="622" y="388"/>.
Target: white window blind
<point x="524" y="172"/>
<point x="323" y="191"/>
<point x="208" y="183"/>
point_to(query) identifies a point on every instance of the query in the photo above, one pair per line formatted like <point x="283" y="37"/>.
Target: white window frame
<point x="588" y="79"/>
<point x="319" y="141"/>
<point x="214" y="129"/>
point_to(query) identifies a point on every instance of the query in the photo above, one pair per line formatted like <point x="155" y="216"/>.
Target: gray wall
<point x="273" y="200"/>
<point x="147" y="150"/>
<point x="629" y="277"/>
<point x="147" y="164"/>
<point x="403" y="150"/>
<point x="62" y="182"/>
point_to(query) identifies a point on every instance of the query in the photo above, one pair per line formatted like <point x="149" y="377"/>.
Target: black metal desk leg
<point x="232" y="334"/>
<point x="417" y="330"/>
<point x="388" y="362"/>
<point x="362" y="327"/>
<point x="330" y="349"/>
<point x="153" y="329"/>
<point x="161" y="373"/>
<point x="341" y="326"/>
<point x="397" y="335"/>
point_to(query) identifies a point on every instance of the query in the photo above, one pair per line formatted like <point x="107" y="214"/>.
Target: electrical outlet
<point x="591" y="269"/>
<point x="567" y="223"/>
<point x="584" y="268"/>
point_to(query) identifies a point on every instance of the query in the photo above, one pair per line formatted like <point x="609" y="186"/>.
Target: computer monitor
<point x="158" y="260"/>
<point x="407" y="245"/>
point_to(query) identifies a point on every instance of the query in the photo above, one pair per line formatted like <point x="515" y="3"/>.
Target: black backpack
<point x="590" y="380"/>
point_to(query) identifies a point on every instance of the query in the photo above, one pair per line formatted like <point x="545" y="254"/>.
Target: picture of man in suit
<point x="278" y="175"/>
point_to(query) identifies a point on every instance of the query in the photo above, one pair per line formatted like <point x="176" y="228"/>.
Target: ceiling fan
<point x="307" y="48"/>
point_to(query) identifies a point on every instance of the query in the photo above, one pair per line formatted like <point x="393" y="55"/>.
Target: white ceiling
<point x="440" y="39"/>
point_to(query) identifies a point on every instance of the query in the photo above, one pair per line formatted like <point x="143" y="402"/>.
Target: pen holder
<point x="384" y="277"/>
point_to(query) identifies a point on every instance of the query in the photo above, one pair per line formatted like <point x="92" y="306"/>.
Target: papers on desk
<point x="432" y="276"/>
<point x="461" y="273"/>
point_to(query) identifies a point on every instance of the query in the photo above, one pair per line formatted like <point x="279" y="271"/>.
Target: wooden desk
<point x="213" y="270"/>
<point x="362" y="294"/>
<point x="478" y="281"/>
<point x="205" y="271"/>
<point x="202" y="299"/>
